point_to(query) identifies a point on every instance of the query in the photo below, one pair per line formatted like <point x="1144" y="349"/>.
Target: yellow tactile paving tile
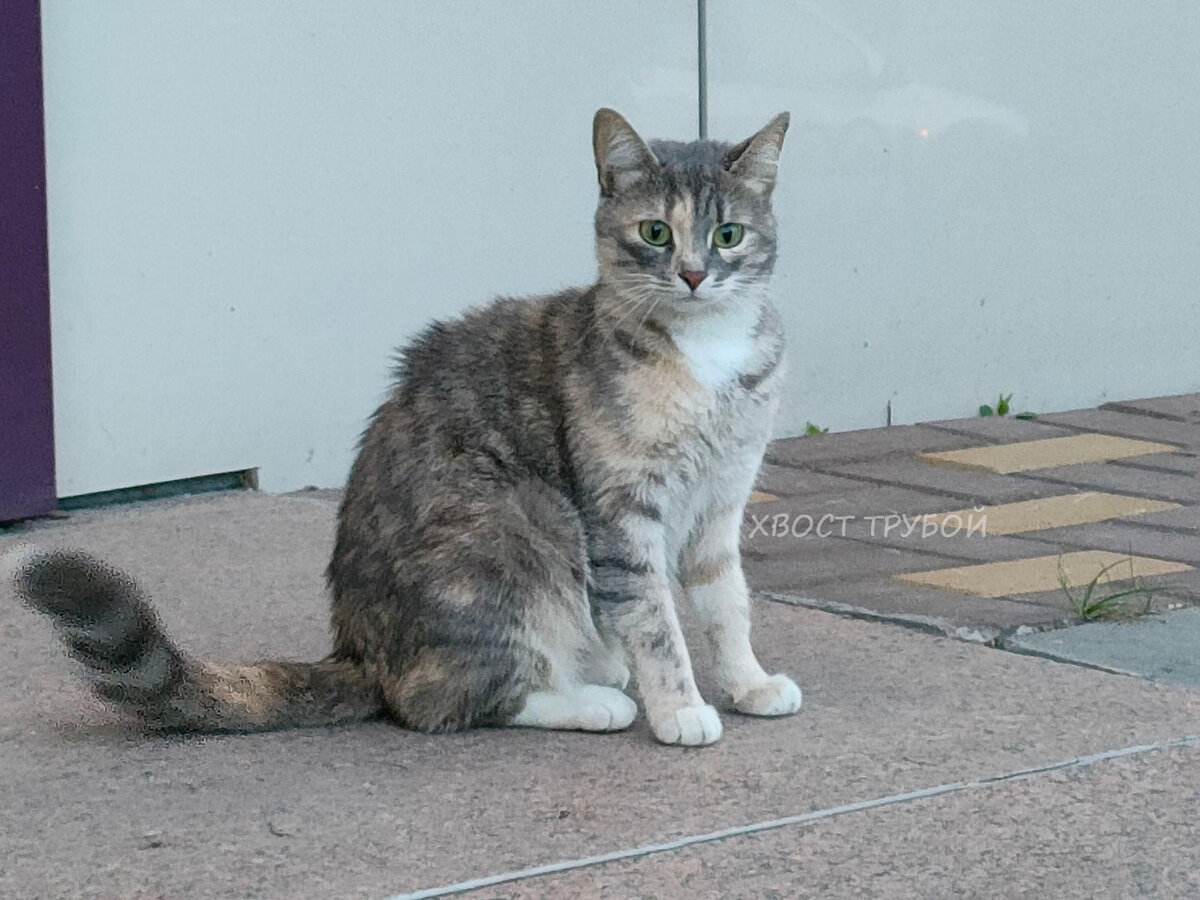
<point x="1041" y="573"/>
<point x="761" y="497"/>
<point x="1047" y="453"/>
<point x="1054" y="512"/>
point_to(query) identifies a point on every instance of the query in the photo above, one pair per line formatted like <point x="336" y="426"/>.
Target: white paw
<point x="604" y="708"/>
<point x="691" y="726"/>
<point x="13" y="563"/>
<point x="777" y="696"/>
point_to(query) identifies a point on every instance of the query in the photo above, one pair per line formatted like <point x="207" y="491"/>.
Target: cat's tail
<point x="108" y="625"/>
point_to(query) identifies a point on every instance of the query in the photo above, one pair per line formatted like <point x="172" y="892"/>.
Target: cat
<point x="546" y="475"/>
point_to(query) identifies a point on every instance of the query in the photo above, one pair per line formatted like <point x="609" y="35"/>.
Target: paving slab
<point x="1075" y="834"/>
<point x="772" y="527"/>
<point x="1106" y="421"/>
<point x="786" y="481"/>
<point x="1183" y="462"/>
<point x="1042" y="573"/>
<point x="1180" y="407"/>
<point x="1129" y="537"/>
<point x="999" y="429"/>
<point x="92" y="809"/>
<point x="1182" y="487"/>
<point x="959" y="545"/>
<point x="1186" y="518"/>
<point x="802" y="563"/>
<point x="857" y="498"/>
<point x="917" y="472"/>
<point x="868" y="443"/>
<point x="1164" y="647"/>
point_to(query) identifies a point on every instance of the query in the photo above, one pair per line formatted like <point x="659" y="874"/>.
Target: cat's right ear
<point x="622" y="157"/>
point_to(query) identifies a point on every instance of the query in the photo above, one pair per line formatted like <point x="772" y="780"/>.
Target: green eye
<point x="655" y="233"/>
<point x="728" y="235"/>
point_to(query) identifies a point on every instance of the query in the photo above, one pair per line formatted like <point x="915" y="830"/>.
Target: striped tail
<point x="109" y="626"/>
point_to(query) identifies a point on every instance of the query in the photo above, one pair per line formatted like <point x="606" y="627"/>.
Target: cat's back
<point x="485" y="348"/>
<point x="476" y="391"/>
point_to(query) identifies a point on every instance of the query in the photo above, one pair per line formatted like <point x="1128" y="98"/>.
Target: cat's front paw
<point x="777" y="696"/>
<point x="691" y="726"/>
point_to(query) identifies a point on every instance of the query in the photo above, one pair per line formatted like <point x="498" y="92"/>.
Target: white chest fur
<point x="717" y="347"/>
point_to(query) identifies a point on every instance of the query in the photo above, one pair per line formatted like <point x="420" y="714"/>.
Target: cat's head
<point x="688" y="225"/>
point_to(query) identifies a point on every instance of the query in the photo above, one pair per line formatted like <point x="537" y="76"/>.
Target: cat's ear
<point x="622" y="158"/>
<point x="755" y="159"/>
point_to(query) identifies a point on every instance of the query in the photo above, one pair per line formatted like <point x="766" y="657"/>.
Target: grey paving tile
<point x="956" y="546"/>
<point x="1126" y="536"/>
<point x="797" y="565"/>
<point x="1180" y="407"/>
<point x="374" y="810"/>
<point x="1163" y="647"/>
<point x="1183" y="463"/>
<point x="784" y="481"/>
<point x="1186" y="518"/>
<point x="1156" y="484"/>
<point x="865" y="444"/>
<point x="1148" y="428"/>
<point x="774" y="527"/>
<point x="1119" y="828"/>
<point x="969" y="485"/>
<point x="1000" y="429"/>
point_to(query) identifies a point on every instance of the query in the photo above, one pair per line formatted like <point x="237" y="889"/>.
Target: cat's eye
<point x="654" y="232"/>
<point x="728" y="235"/>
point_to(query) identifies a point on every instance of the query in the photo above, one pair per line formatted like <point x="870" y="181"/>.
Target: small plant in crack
<point x="811" y="430"/>
<point x="1003" y="407"/>
<point x="1089" y="606"/>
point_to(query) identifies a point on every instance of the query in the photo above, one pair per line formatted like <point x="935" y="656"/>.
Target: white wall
<point x="251" y="204"/>
<point x="1042" y="239"/>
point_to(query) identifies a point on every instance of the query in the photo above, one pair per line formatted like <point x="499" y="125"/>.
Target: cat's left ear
<point x="755" y="159"/>
<point x="622" y="157"/>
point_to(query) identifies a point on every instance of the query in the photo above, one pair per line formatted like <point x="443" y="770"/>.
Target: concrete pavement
<point x="928" y="739"/>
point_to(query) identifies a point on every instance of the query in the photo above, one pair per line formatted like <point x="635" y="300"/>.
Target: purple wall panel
<point x="26" y="411"/>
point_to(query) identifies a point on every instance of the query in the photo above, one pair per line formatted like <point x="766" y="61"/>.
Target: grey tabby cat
<point x="546" y="474"/>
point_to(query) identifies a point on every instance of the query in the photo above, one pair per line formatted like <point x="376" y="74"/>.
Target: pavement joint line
<point x="710" y="837"/>
<point x="1124" y="407"/>
<point x="913" y="548"/>
<point x="1135" y="462"/>
<point x="923" y="624"/>
<point x="831" y="468"/>
<point x="1007" y="642"/>
<point x="988" y="440"/>
<point x="1148" y="494"/>
<point x="1153" y="526"/>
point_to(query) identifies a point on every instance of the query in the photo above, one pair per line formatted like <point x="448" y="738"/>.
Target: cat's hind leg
<point x="584" y="707"/>
<point x="494" y="626"/>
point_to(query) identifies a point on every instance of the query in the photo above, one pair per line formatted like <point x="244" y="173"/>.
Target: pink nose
<point x="693" y="278"/>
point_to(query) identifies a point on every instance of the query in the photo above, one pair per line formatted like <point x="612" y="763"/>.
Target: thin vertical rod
<point x="702" y="64"/>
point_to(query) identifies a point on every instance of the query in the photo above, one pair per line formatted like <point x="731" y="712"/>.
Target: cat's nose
<point x="693" y="278"/>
